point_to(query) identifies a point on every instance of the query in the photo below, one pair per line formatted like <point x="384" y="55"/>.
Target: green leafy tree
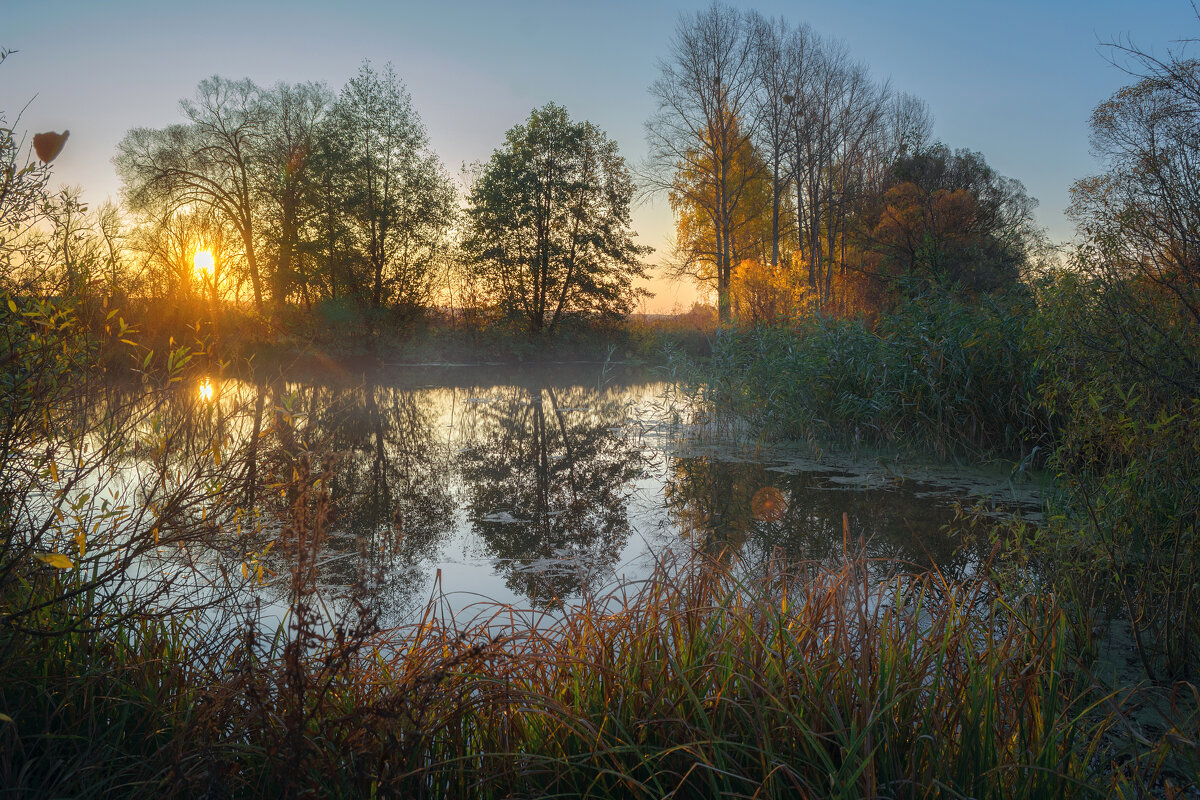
<point x="549" y="223"/>
<point x="395" y="200"/>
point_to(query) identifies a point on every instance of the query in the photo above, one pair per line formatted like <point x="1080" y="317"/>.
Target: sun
<point x="203" y="262"/>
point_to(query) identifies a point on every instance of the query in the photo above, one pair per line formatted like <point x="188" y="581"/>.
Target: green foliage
<point x="549" y="222"/>
<point x="383" y="193"/>
<point x="1123" y="530"/>
<point x="937" y="374"/>
<point x="1036" y="379"/>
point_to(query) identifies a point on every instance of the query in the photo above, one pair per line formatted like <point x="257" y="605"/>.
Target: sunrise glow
<point x="204" y="263"/>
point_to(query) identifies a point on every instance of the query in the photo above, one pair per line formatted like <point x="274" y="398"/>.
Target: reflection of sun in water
<point x="206" y="390"/>
<point x="203" y="262"/>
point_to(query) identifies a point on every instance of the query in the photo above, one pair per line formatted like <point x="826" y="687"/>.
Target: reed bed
<point x="692" y="683"/>
<point x="936" y="375"/>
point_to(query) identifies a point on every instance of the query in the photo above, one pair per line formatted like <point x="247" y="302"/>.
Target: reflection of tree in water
<point x="547" y="485"/>
<point x="390" y="485"/>
<point x="711" y="500"/>
<point x="396" y="503"/>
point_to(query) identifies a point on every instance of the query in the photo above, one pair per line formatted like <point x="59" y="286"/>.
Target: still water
<point x="537" y="486"/>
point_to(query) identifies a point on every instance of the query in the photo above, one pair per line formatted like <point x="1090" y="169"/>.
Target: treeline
<point x="1091" y="369"/>
<point x="293" y="197"/>
<point x="800" y="181"/>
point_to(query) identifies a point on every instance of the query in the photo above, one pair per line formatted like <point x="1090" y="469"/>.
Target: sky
<point x="1015" y="80"/>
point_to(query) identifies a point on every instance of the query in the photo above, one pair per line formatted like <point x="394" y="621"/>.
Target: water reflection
<point x="533" y="488"/>
<point x="729" y="505"/>
<point x="547" y="477"/>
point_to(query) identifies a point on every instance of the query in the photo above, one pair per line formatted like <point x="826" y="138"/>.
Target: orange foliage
<point x="764" y="295"/>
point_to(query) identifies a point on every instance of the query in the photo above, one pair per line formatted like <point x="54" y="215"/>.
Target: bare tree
<point x="857" y="116"/>
<point x="837" y="112"/>
<point x="705" y="116"/>
<point x="779" y="53"/>
<point x="1141" y="217"/>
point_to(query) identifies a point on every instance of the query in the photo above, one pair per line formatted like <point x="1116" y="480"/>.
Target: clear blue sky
<point x="1015" y="80"/>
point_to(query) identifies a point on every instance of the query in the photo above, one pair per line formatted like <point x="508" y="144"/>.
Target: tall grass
<point x="1106" y="403"/>
<point x="938" y="374"/>
<point x="693" y="683"/>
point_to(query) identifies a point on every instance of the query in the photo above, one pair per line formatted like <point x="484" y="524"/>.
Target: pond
<point x="537" y="486"/>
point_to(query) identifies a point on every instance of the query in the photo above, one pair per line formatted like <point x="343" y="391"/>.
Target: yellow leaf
<point x="13" y="308"/>
<point x="154" y="533"/>
<point x="81" y="543"/>
<point x="56" y="560"/>
<point x="54" y="472"/>
<point x="245" y="571"/>
<point x="6" y="717"/>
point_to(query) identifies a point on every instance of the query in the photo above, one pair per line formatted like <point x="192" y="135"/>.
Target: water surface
<point x="537" y="486"/>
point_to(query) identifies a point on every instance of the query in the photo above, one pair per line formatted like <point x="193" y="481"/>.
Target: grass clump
<point x="938" y="374"/>
<point x="700" y="681"/>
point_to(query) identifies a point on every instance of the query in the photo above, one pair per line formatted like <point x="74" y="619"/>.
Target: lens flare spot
<point x="768" y="504"/>
<point x="206" y="390"/>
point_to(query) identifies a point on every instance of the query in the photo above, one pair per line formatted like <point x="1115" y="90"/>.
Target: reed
<point x="937" y="374"/>
<point x="697" y="682"/>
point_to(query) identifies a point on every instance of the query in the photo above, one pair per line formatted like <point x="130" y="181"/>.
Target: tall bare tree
<point x="705" y="94"/>
<point x="779" y="53"/>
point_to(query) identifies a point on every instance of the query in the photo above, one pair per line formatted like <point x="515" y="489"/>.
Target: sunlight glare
<point x="204" y="262"/>
<point x="206" y="390"/>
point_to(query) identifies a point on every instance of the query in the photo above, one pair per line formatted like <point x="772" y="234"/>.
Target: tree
<point x="548" y="222"/>
<point x="750" y="231"/>
<point x="399" y="202"/>
<point x="950" y="219"/>
<point x="1141" y="218"/>
<point x="705" y="94"/>
<point x="213" y="162"/>
<point x="838" y="115"/>
<point x="779" y="52"/>
<point x="293" y="119"/>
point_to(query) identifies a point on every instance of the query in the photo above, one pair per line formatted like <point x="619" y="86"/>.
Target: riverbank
<point x="358" y="339"/>
<point x="697" y="681"/>
<point x="1036" y="378"/>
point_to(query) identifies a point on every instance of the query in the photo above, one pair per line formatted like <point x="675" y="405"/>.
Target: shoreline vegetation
<point x="698" y="682"/>
<point x="872" y="287"/>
